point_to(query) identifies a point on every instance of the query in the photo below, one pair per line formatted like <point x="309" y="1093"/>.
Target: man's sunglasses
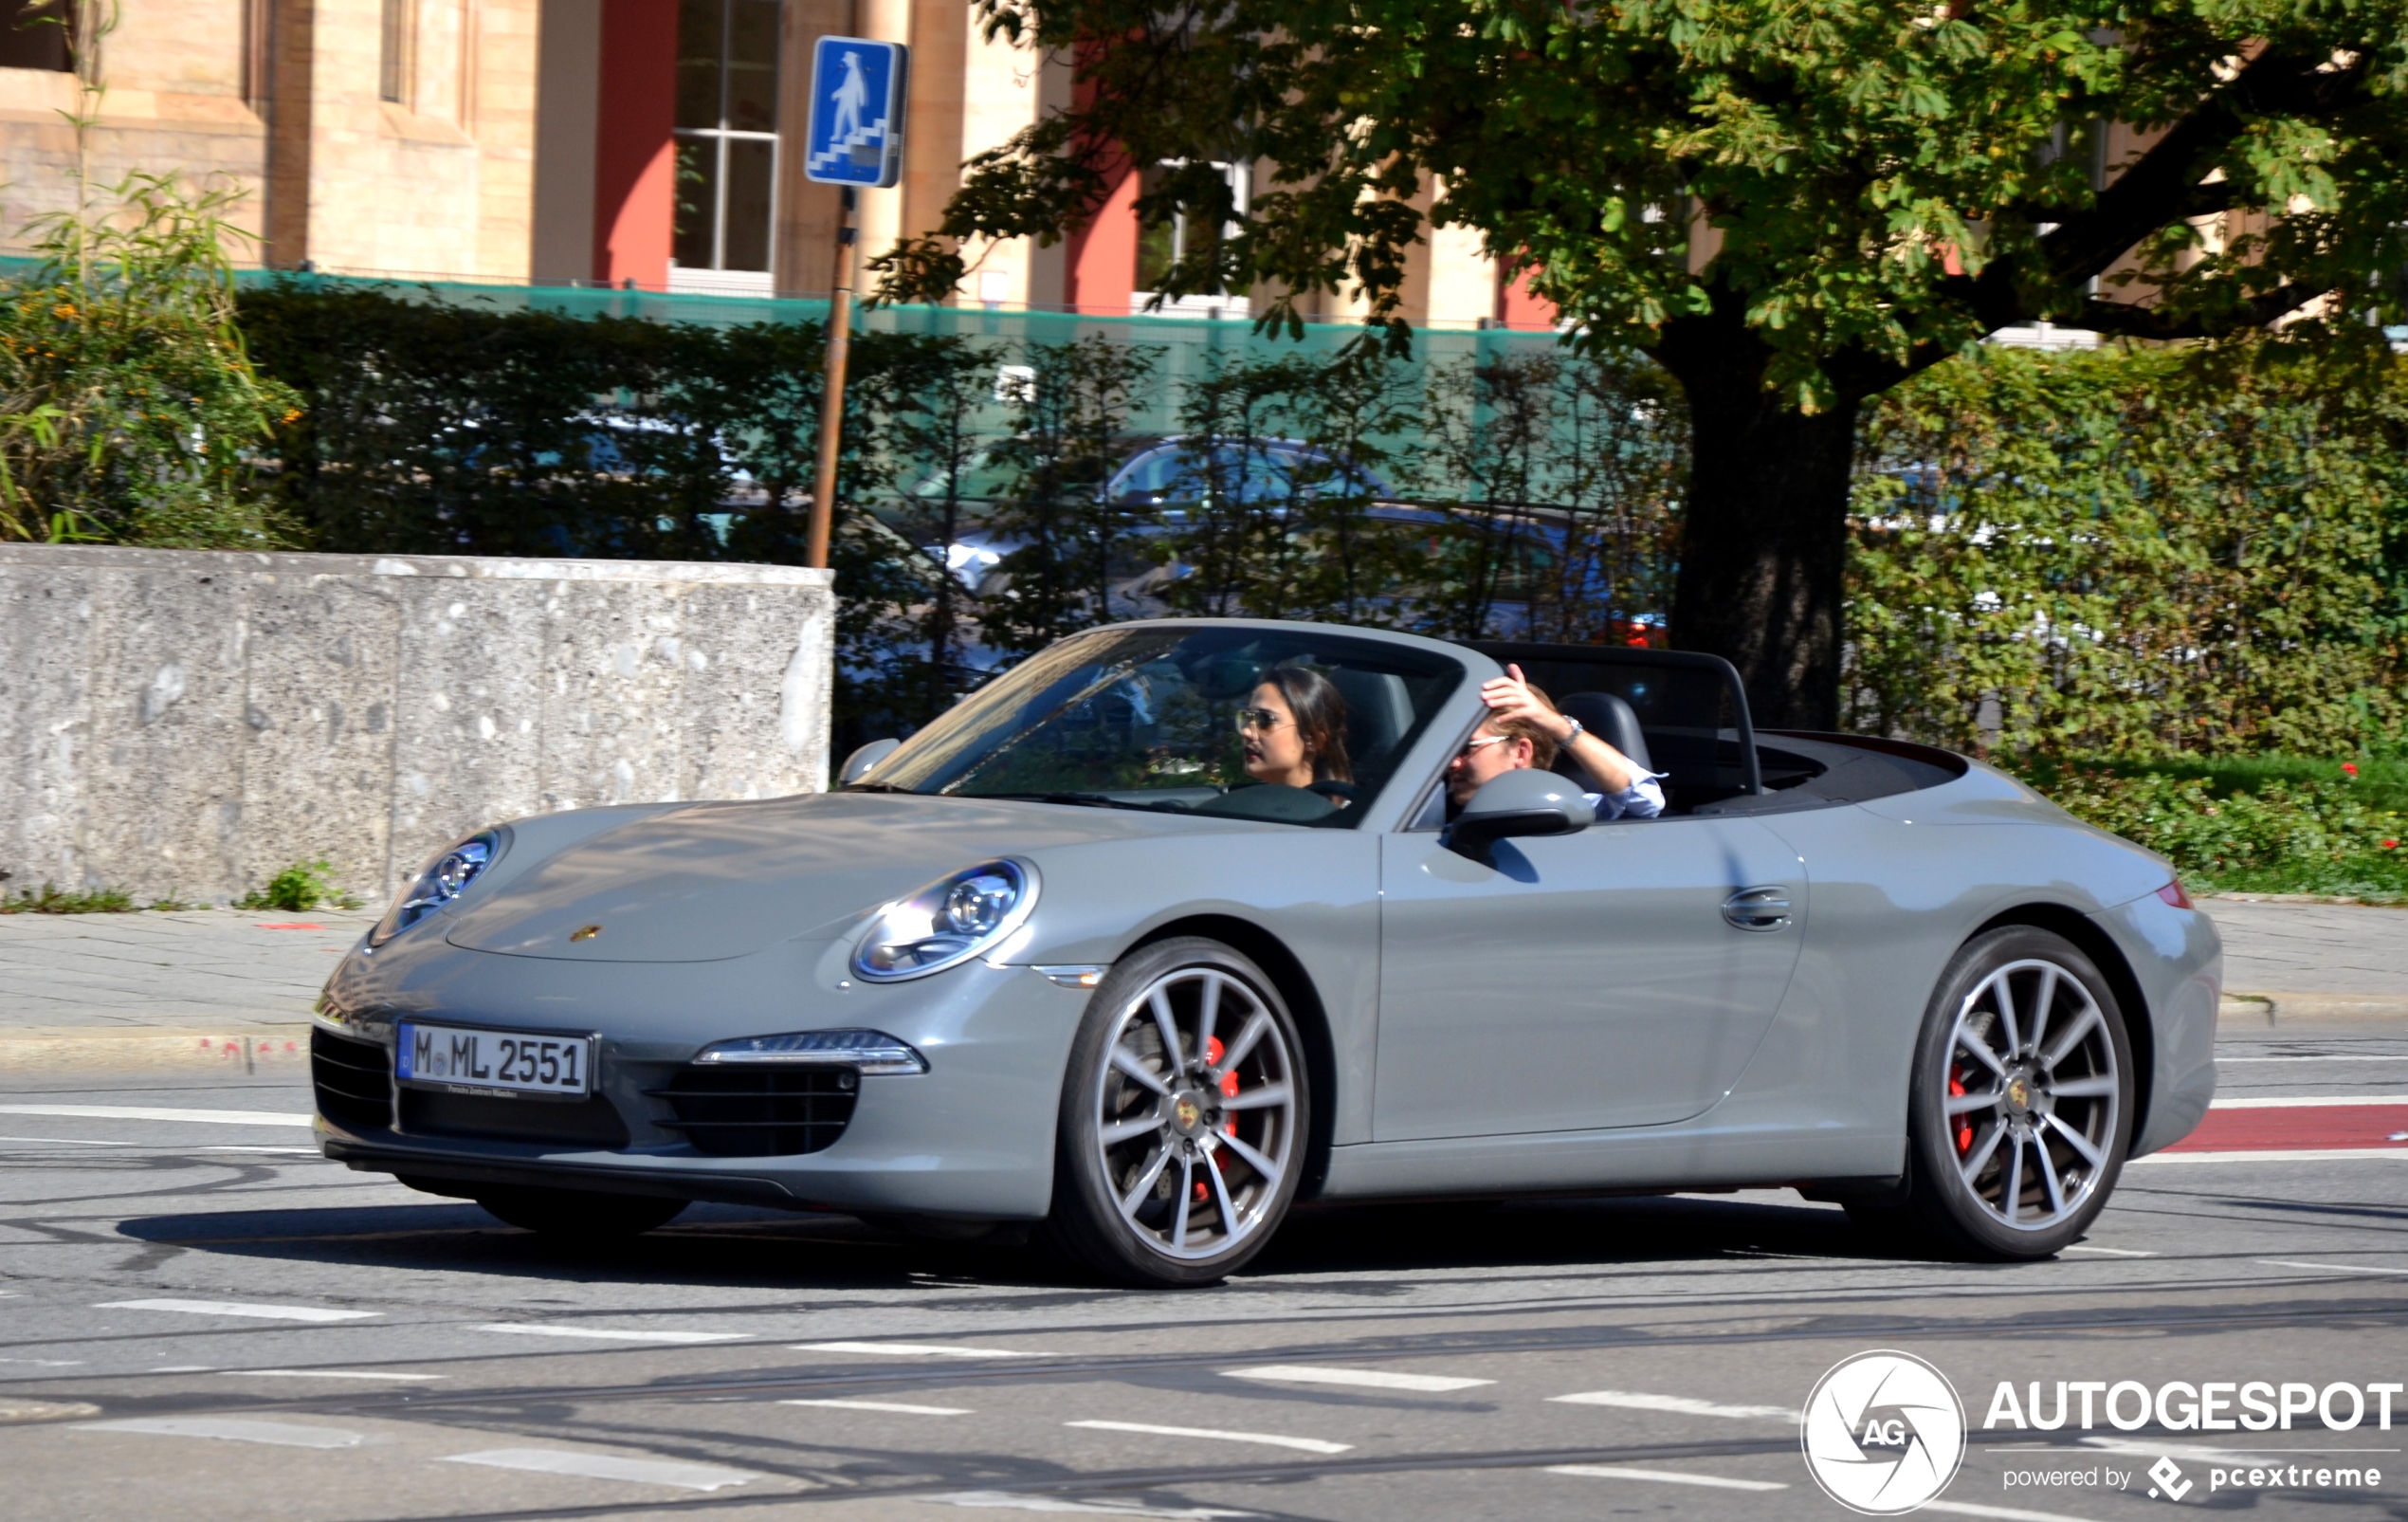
<point x="1471" y="745"/>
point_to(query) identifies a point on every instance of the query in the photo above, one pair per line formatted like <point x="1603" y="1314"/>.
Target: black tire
<point x="2054" y="1141"/>
<point x="1155" y="1242"/>
<point x="580" y="1215"/>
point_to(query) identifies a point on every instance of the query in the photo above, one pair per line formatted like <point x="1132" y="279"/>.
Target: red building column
<point x="1103" y="255"/>
<point x="634" y="153"/>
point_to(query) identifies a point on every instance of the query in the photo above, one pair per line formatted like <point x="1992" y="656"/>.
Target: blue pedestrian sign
<point x="858" y="89"/>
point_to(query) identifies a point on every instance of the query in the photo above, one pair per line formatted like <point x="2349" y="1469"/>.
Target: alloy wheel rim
<point x="1195" y="1108"/>
<point x="2033" y="1090"/>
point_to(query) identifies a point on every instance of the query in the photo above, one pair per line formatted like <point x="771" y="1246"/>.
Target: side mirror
<point x="857" y="765"/>
<point x="1522" y="803"/>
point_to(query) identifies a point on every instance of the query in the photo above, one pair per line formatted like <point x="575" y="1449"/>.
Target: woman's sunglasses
<point x="1262" y="721"/>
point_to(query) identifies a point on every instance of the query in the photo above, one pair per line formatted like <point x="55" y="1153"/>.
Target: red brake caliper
<point x="1212" y="1050"/>
<point x="1964" y="1127"/>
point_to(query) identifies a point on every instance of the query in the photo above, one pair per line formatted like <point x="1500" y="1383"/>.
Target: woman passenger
<point x="1294" y="734"/>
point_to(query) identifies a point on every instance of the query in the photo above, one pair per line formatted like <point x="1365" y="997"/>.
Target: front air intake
<point x="353" y="1081"/>
<point x="760" y="1112"/>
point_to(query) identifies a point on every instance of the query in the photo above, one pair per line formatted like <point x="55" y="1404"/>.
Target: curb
<point x="270" y="1047"/>
<point x="2273" y="1009"/>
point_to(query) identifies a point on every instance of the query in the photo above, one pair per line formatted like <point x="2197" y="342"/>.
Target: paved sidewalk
<point x="224" y="989"/>
<point x="230" y="991"/>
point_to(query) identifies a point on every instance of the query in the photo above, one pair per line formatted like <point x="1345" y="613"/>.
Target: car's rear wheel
<point x="2021" y="1109"/>
<point x="580" y="1215"/>
<point x="1183" y="1118"/>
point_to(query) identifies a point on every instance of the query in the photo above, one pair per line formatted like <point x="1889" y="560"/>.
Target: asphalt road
<point x="201" y="1319"/>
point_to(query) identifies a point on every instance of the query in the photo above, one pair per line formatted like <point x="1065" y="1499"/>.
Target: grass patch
<point x="55" y="900"/>
<point x="298" y="889"/>
<point x="2271" y="824"/>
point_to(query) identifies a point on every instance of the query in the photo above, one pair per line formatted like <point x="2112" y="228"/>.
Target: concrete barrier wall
<point x="184" y="724"/>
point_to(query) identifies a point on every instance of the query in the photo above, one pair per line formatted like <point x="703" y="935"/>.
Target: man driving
<point x="1524" y="729"/>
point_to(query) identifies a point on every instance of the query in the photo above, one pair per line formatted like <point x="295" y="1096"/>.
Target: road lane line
<point x="320" y="1374"/>
<point x="281" y="1433"/>
<point x="608" y="1466"/>
<point x="1368" y="1378"/>
<point x="63" y="1141"/>
<point x="2111" y="1252"/>
<point x="605" y="1334"/>
<point x="2328" y="1268"/>
<point x="911" y="1350"/>
<point x="2304" y="1154"/>
<point x="204" y="1117"/>
<point x="233" y="1307"/>
<point x="2307" y="1101"/>
<point x="1682" y="1405"/>
<point x="2006" y="1513"/>
<point x="888" y="1406"/>
<point x="1005" y="1502"/>
<point x="600" y="1465"/>
<point x="1310" y="1445"/>
<point x="1670" y="1475"/>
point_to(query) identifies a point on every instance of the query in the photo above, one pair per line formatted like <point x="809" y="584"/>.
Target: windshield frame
<point x="1448" y="671"/>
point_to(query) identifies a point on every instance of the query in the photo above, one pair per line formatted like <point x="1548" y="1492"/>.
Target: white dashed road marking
<point x="2111" y="1252"/>
<point x="1672" y="1476"/>
<point x="1005" y="1502"/>
<point x="62" y="1140"/>
<point x="2306" y="1101"/>
<point x="1368" y="1378"/>
<point x="887" y="1405"/>
<point x="2328" y="1268"/>
<point x="605" y="1334"/>
<point x="1684" y="1405"/>
<point x="2306" y="1154"/>
<point x="319" y="1374"/>
<point x="608" y="1466"/>
<point x="911" y="1350"/>
<point x="2006" y="1513"/>
<point x="236" y="1308"/>
<point x="205" y="1117"/>
<point x="281" y="1434"/>
<point x="1310" y="1445"/>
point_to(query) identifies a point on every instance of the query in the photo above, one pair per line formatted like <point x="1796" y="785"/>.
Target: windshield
<point x="1295" y="727"/>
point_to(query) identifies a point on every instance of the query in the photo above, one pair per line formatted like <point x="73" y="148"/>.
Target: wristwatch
<point x="1578" y="730"/>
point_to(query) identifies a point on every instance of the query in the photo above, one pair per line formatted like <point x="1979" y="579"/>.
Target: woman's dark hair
<point x="1321" y="719"/>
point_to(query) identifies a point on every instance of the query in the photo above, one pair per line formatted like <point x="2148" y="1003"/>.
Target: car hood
<point x="718" y="880"/>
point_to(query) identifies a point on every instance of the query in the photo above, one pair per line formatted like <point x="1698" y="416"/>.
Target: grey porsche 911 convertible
<point x="1067" y="957"/>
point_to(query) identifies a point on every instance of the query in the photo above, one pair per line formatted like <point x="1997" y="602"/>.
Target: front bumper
<point x="971" y="1137"/>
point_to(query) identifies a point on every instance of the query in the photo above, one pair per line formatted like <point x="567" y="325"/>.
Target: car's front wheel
<point x="1183" y="1118"/>
<point x="580" y="1215"/>
<point x="2022" y="1103"/>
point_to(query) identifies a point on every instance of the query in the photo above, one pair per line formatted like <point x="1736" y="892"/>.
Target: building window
<point x="394" y="54"/>
<point x="1163" y="244"/>
<point x="36" y="36"/>
<point x="727" y="133"/>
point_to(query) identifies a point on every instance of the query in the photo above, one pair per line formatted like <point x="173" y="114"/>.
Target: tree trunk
<point x="1764" y="539"/>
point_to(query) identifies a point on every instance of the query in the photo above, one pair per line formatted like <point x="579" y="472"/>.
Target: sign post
<point x="858" y="92"/>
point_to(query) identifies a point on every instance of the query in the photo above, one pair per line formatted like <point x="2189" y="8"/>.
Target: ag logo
<point x="1883" y="1433"/>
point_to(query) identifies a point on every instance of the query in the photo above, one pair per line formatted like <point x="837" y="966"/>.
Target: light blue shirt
<point x="1642" y="799"/>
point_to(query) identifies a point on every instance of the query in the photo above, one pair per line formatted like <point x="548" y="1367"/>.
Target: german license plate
<point x="447" y="1056"/>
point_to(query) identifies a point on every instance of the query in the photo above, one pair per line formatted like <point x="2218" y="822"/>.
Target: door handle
<point x="1757" y="908"/>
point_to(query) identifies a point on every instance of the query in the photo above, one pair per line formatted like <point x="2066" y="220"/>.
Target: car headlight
<point x="947" y="923"/>
<point x="439" y="882"/>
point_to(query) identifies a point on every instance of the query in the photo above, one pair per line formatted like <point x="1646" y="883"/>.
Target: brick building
<point x="582" y="141"/>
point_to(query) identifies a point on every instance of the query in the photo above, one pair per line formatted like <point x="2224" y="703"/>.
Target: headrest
<point x="1611" y="720"/>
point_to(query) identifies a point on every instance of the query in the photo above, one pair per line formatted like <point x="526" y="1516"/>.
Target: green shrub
<point x="52" y="899"/>
<point x="2326" y="835"/>
<point x="298" y="889"/>
<point x="2136" y="554"/>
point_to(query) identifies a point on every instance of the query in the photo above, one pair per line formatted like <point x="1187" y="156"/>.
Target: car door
<point x="1616" y="977"/>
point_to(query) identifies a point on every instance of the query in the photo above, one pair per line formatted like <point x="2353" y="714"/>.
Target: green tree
<point x="1792" y="208"/>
